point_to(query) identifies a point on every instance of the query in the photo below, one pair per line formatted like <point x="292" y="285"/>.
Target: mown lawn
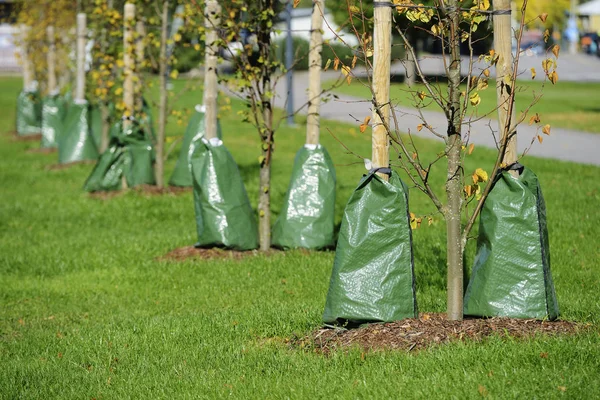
<point x="86" y="310"/>
<point x="570" y="105"/>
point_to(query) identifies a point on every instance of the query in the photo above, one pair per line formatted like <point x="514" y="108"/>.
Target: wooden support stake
<point x="314" y="73"/>
<point x="51" y="60"/>
<point x="81" y="39"/>
<point x="128" y="61"/>
<point x="212" y="20"/>
<point x="140" y="30"/>
<point x="27" y="70"/>
<point x="382" y="47"/>
<point x="504" y="69"/>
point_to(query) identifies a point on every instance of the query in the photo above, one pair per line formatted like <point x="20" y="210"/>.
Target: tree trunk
<point x="504" y="68"/>
<point x="128" y="61"/>
<point x="162" y="112"/>
<point x="454" y="179"/>
<point x="27" y="68"/>
<point x="51" y="59"/>
<point x="81" y="41"/>
<point x="409" y="64"/>
<point x="106" y="121"/>
<point x="314" y="73"/>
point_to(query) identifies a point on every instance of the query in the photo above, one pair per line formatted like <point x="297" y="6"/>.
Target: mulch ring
<point x="193" y="253"/>
<point x="150" y="190"/>
<point x="58" y="167"/>
<point x="430" y="330"/>
<point x="25" y="138"/>
<point x="42" y="150"/>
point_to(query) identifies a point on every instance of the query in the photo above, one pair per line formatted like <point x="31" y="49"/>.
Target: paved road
<point x="562" y="144"/>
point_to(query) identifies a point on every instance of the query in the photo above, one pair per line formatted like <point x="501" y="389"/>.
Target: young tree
<point x="454" y="24"/>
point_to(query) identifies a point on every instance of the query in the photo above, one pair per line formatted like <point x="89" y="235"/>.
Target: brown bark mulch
<point x="151" y="190"/>
<point x="193" y="253"/>
<point x="430" y="330"/>
<point x="58" y="167"/>
<point x="25" y="138"/>
<point x="42" y="150"/>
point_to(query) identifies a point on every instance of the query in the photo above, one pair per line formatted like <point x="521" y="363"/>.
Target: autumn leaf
<point x="546" y="129"/>
<point x="553" y="77"/>
<point x="532" y="73"/>
<point x="469" y="190"/>
<point x="327" y="64"/>
<point x="354" y="9"/>
<point x="535" y="119"/>
<point x="486" y="72"/>
<point x="543" y="17"/>
<point x="414" y="156"/>
<point x="480" y="176"/>
<point x="362" y="128"/>
<point x="540" y="138"/>
<point x="174" y="74"/>
<point x="555" y="50"/>
<point x="336" y="64"/>
<point x="419" y="127"/>
<point x="475" y="99"/>
<point x="471" y="148"/>
<point x="345" y="70"/>
<point x="421" y="95"/>
<point x="296" y="2"/>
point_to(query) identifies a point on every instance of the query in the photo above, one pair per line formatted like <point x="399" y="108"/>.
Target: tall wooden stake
<point x="27" y="70"/>
<point x="314" y="73"/>
<point x="382" y="47"/>
<point x="129" y="62"/>
<point x="81" y="36"/>
<point x="140" y="30"/>
<point x="504" y="68"/>
<point x="212" y="20"/>
<point x="51" y="60"/>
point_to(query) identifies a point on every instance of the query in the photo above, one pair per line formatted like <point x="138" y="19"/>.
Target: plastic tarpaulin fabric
<point x="182" y="175"/>
<point x="511" y="273"/>
<point x="129" y="154"/>
<point x="29" y="113"/>
<point x="373" y="270"/>
<point x="307" y="216"/>
<point x="76" y="142"/>
<point x="96" y="124"/>
<point x="53" y="113"/>
<point x="224" y="217"/>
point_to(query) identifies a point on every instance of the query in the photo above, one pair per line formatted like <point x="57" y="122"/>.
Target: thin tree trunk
<point x="314" y="73"/>
<point x="129" y="69"/>
<point x="26" y="62"/>
<point x="211" y="23"/>
<point x="382" y="38"/>
<point x="409" y="66"/>
<point x="140" y="30"/>
<point x="504" y="69"/>
<point x="264" y="199"/>
<point x="51" y="59"/>
<point x="162" y="112"/>
<point x="81" y="39"/>
<point x="453" y="184"/>
<point x="106" y="120"/>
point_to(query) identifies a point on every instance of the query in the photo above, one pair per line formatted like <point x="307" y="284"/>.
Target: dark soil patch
<point x="106" y="195"/>
<point x="58" y="167"/>
<point x="42" y="150"/>
<point x="193" y="253"/>
<point x="26" y="138"/>
<point x="430" y="330"/>
<point x="150" y="190"/>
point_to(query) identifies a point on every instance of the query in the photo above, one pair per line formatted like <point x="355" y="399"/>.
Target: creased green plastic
<point x="129" y="154"/>
<point x="96" y="124"/>
<point x="182" y="175"/>
<point x="224" y="217"/>
<point x="307" y="216"/>
<point x="76" y="143"/>
<point x="53" y="114"/>
<point x="511" y="273"/>
<point x="373" y="270"/>
<point x="29" y="113"/>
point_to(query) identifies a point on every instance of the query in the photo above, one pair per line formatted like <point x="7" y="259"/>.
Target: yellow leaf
<point x="540" y="138"/>
<point x="119" y="91"/>
<point x="422" y="95"/>
<point x="555" y="50"/>
<point x="345" y="70"/>
<point x="468" y="190"/>
<point x="534" y="119"/>
<point x="482" y="84"/>
<point x="546" y="129"/>
<point x="486" y="72"/>
<point x="419" y="127"/>
<point x="471" y="148"/>
<point x="480" y="176"/>
<point x="543" y="17"/>
<point x="174" y="74"/>
<point x="354" y="9"/>
<point x="414" y="156"/>
<point x="197" y="47"/>
<point x="296" y="2"/>
<point x="362" y="128"/>
<point x="475" y="99"/>
<point x="366" y="120"/>
<point x="327" y="64"/>
<point x="336" y="64"/>
<point x="177" y="37"/>
<point x="532" y="73"/>
<point x="553" y="77"/>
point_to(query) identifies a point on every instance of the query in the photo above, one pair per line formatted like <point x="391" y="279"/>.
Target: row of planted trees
<point x="372" y="278"/>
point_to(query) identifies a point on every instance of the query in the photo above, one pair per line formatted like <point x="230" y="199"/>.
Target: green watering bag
<point x="182" y="175"/>
<point x="373" y="270"/>
<point x="307" y="217"/>
<point x="29" y="113"/>
<point x="511" y="274"/>
<point x="129" y="154"/>
<point x="224" y="217"/>
<point x="76" y="142"/>
<point x="53" y="113"/>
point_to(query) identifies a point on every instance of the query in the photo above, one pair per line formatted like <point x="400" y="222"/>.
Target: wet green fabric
<point x="307" y="216"/>
<point x="182" y="175"/>
<point x="147" y="121"/>
<point x="129" y="154"/>
<point x="224" y="217"/>
<point x="76" y="143"/>
<point x="29" y="113"/>
<point x="373" y="270"/>
<point x="53" y="114"/>
<point x="96" y="124"/>
<point x="511" y="272"/>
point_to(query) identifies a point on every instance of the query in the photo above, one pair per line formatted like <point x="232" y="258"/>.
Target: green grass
<point x="568" y="105"/>
<point x="86" y="310"/>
